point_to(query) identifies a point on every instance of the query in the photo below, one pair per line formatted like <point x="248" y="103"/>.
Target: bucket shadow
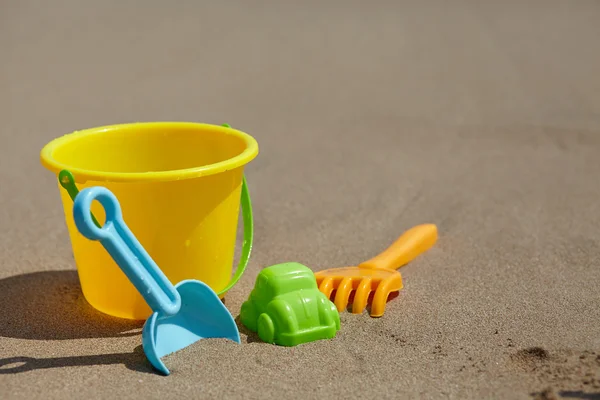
<point x="49" y="305"/>
<point x="135" y="361"/>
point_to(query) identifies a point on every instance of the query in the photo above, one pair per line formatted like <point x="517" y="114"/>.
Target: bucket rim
<point x="82" y="175"/>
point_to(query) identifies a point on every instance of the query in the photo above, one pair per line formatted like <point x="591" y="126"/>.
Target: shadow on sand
<point x="135" y="361"/>
<point x="251" y="337"/>
<point x="49" y="305"/>
<point x="578" y="394"/>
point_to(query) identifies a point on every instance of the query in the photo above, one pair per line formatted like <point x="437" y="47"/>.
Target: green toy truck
<point x="286" y="307"/>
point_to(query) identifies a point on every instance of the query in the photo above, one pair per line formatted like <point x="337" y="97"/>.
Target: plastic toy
<point x="182" y="314"/>
<point x="181" y="186"/>
<point x="286" y="307"/>
<point x="377" y="274"/>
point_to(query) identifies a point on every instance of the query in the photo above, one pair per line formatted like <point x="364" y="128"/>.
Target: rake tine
<point x="361" y="296"/>
<point x="380" y="298"/>
<point x="326" y="286"/>
<point x="343" y="294"/>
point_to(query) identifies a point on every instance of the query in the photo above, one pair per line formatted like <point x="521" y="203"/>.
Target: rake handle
<point x="406" y="248"/>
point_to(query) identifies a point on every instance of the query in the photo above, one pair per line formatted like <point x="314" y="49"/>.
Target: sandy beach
<point x="371" y="117"/>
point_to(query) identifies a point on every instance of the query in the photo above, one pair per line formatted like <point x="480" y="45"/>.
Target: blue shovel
<point x="182" y="314"/>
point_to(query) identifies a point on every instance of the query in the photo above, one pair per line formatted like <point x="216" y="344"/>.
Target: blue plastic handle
<point x="125" y="249"/>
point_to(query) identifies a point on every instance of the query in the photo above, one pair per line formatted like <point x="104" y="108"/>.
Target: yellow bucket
<point x="179" y="185"/>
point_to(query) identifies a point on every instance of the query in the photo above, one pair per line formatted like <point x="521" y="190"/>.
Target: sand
<point x="372" y="117"/>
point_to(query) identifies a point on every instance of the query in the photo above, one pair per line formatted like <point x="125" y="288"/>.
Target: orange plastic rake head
<point x="378" y="274"/>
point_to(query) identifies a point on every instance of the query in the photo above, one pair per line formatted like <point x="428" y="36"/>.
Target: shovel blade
<point x="202" y="316"/>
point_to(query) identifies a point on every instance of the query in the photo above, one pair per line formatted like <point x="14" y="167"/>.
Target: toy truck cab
<point x="286" y="307"/>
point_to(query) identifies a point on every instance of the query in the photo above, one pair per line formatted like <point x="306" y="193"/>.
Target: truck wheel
<point x="266" y="328"/>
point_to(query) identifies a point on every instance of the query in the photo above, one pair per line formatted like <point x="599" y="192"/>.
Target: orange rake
<point x="378" y="274"/>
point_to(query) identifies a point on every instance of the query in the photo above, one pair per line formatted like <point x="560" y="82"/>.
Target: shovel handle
<point x="406" y="248"/>
<point x="125" y="249"/>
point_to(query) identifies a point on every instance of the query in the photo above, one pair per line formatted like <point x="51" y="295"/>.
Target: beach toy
<point x="182" y="314"/>
<point x="286" y="308"/>
<point x="180" y="186"/>
<point x="377" y="274"/>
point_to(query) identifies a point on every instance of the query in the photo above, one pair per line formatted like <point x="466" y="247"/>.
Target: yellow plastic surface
<point x="179" y="186"/>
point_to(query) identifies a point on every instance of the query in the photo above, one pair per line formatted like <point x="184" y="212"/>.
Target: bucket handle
<point x="67" y="181"/>
<point x="248" y="220"/>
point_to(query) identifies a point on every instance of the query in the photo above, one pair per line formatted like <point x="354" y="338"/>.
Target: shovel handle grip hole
<point x="83" y="217"/>
<point x="98" y="211"/>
